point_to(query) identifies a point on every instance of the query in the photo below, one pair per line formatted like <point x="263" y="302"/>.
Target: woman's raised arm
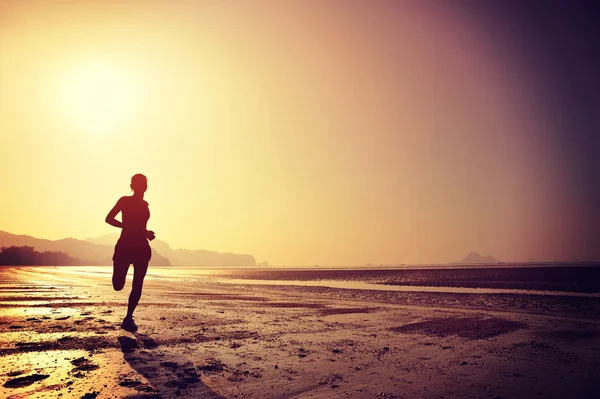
<point x="110" y="218"/>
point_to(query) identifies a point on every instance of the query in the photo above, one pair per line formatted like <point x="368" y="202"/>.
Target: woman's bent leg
<point x="119" y="274"/>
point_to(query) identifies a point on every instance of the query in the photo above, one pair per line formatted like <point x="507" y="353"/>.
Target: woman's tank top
<point x="135" y="215"/>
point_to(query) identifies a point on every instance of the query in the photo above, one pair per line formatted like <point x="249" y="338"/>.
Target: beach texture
<point x="60" y="337"/>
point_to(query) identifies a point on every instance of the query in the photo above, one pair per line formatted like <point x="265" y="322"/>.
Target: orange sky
<point x="299" y="132"/>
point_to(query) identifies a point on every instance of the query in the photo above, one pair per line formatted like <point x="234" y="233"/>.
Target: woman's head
<point x="139" y="183"/>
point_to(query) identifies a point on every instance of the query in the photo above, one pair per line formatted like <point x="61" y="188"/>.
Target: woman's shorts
<point x="128" y="253"/>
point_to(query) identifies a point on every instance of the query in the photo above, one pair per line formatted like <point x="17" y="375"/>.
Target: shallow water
<point x="360" y="285"/>
<point x="374" y="280"/>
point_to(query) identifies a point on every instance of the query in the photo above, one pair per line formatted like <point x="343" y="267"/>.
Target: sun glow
<point x="98" y="97"/>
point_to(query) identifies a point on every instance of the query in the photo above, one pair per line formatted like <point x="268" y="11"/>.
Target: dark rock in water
<point x="25" y="381"/>
<point x="475" y="258"/>
<point x="128" y="344"/>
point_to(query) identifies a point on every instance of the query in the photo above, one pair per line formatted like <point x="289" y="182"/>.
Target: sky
<point x="331" y="133"/>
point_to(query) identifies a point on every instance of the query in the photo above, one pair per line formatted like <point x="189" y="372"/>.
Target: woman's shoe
<point x="129" y="325"/>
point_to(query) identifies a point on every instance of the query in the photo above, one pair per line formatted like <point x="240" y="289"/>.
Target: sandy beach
<point x="60" y="337"/>
<point x="391" y="199"/>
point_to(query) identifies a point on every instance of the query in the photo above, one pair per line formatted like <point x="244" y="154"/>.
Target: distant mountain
<point x="475" y="258"/>
<point x="188" y="257"/>
<point x="106" y="239"/>
<point x="89" y="253"/>
<point x="99" y="251"/>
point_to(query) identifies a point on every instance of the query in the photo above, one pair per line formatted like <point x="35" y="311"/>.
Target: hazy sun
<point x="98" y="97"/>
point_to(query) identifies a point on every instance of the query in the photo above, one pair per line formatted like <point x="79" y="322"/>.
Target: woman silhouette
<point x="132" y="246"/>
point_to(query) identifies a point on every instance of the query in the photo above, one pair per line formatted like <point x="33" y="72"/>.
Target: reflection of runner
<point x="132" y="246"/>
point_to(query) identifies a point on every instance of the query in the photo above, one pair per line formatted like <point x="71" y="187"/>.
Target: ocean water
<point x="579" y="281"/>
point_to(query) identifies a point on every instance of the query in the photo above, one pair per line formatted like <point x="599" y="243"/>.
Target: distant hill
<point x="475" y="258"/>
<point x="87" y="252"/>
<point x="188" y="257"/>
<point x="18" y="256"/>
<point x="99" y="251"/>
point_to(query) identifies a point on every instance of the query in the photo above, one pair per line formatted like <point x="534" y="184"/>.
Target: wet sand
<point x="60" y="337"/>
